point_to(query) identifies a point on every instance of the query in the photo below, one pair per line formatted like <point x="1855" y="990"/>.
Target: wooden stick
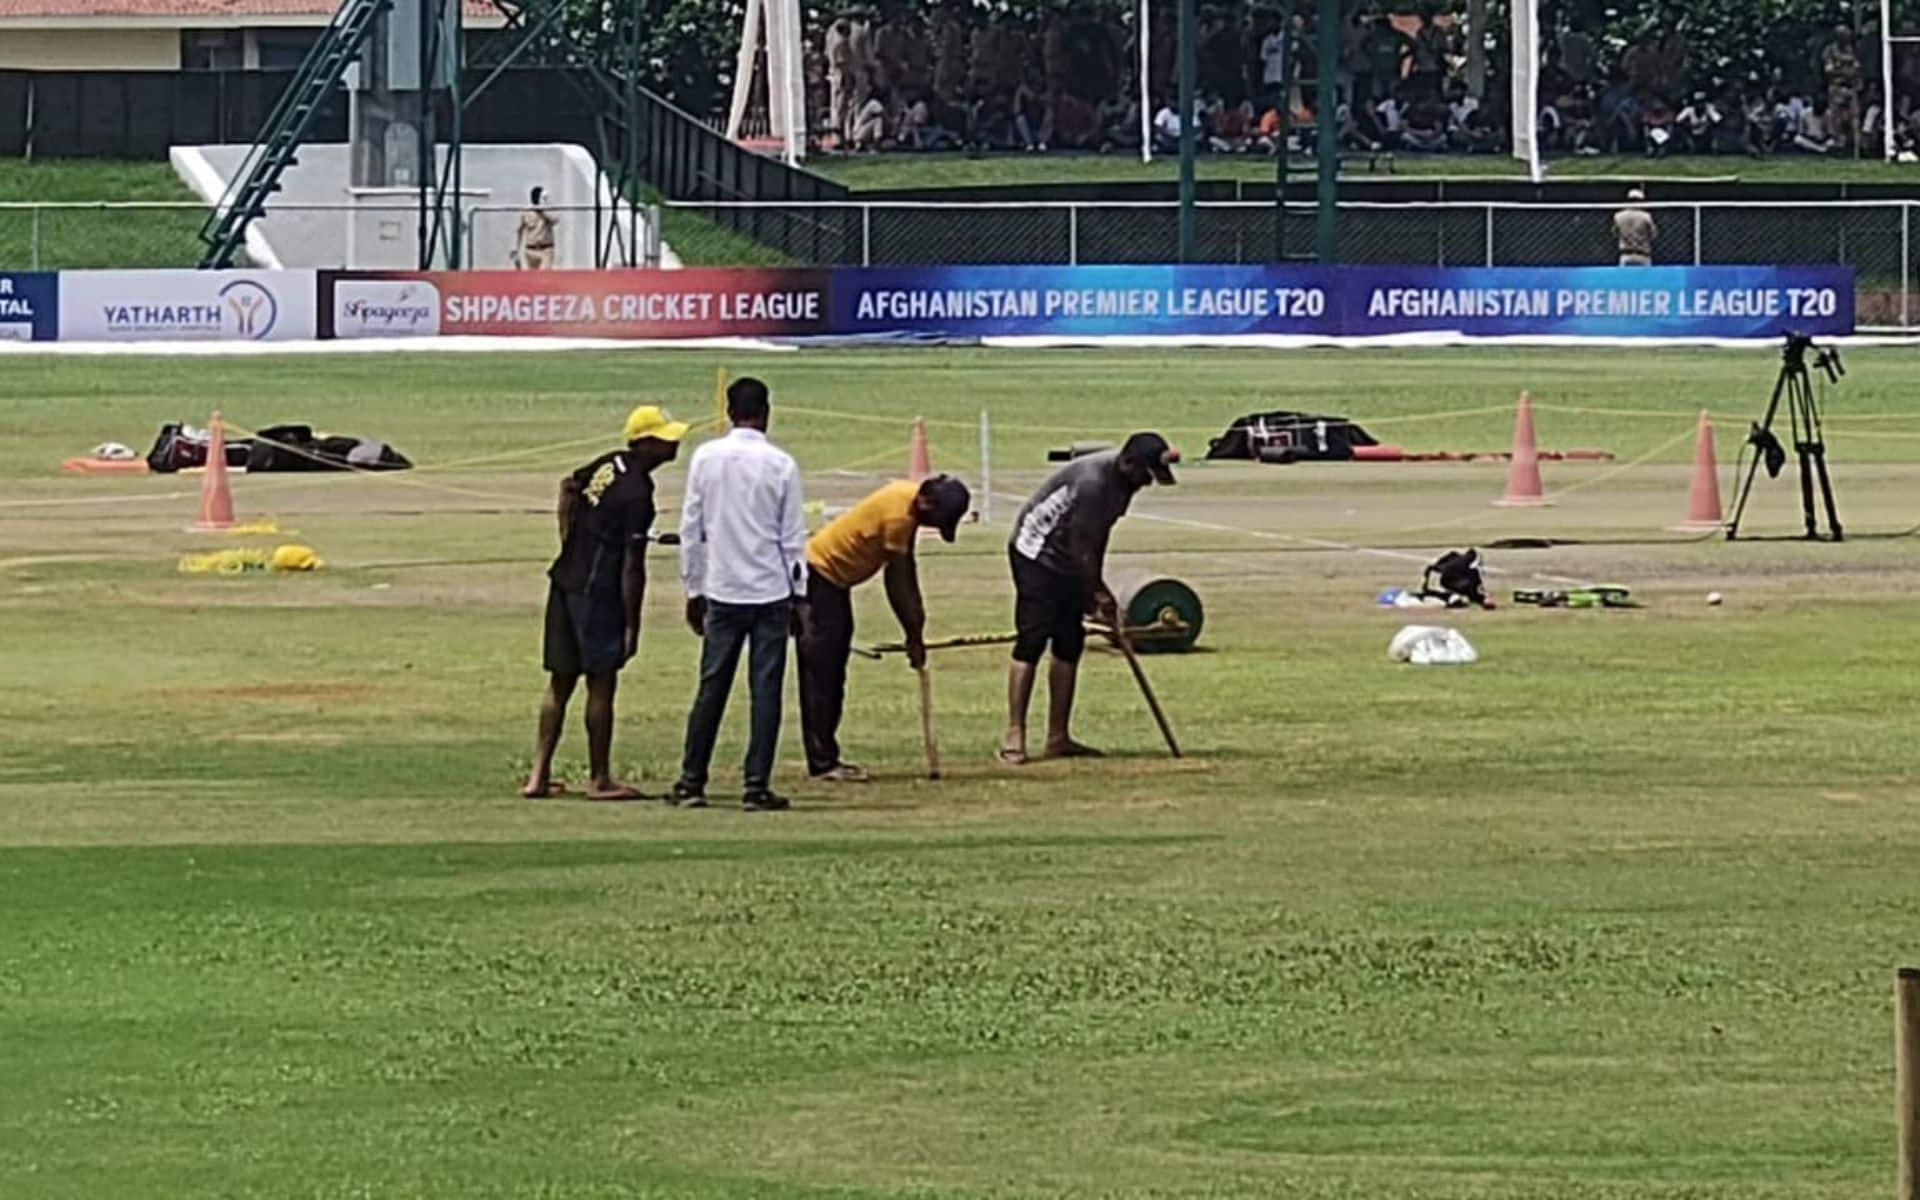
<point x="1119" y="638"/>
<point x="1906" y="1063"/>
<point x="993" y="639"/>
<point x="926" y="724"/>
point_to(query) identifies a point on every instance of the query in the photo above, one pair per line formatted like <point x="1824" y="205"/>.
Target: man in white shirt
<point x="743" y="561"/>
<point x="1273" y="65"/>
<point x="1166" y="128"/>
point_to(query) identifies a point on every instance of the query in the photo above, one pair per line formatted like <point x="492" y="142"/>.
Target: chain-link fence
<point x="1873" y="237"/>
<point x="381" y="235"/>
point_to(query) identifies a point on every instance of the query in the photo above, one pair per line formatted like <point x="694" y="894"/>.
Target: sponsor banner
<point x="1721" y="302"/>
<point x="29" y="307"/>
<point x="747" y="302"/>
<point x="173" y="306"/>
<point x="364" y="308"/>
<point x="1085" y="301"/>
<point x="1678" y="302"/>
<point x="1194" y="301"/>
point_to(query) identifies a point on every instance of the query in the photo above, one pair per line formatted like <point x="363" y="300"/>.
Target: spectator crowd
<point x="959" y="77"/>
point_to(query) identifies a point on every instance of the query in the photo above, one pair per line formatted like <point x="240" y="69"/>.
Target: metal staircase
<point x="225" y="231"/>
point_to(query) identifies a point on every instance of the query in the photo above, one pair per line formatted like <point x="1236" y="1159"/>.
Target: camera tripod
<point x="1795" y="386"/>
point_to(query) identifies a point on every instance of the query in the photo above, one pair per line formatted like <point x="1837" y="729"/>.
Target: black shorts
<point x="585" y="634"/>
<point x="1048" y="607"/>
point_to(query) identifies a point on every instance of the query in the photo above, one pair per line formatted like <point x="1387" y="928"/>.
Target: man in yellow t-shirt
<point x="874" y="536"/>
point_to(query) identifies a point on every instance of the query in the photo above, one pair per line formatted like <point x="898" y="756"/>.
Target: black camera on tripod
<point x="1795" y="386"/>
<point x="1825" y="358"/>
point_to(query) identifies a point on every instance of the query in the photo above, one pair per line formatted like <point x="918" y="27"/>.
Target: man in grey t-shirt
<point x="1058" y="553"/>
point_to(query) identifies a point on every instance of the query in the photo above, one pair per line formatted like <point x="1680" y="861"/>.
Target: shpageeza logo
<point x="385" y="307"/>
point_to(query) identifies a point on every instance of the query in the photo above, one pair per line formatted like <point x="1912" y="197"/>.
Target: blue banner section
<point x="29" y="307"/>
<point x="1717" y="302"/>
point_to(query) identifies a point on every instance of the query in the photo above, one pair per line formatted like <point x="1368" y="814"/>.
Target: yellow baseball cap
<point x="648" y="421"/>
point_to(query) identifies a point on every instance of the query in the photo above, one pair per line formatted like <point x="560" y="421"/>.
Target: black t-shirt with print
<point x="611" y="520"/>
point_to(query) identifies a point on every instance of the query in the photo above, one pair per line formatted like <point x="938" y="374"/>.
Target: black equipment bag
<point x="1290" y="437"/>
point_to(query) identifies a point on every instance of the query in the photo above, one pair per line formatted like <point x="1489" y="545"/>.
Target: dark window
<point x="284" y="49"/>
<point x="212" y="50"/>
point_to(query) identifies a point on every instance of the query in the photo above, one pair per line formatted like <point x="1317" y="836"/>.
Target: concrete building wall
<point x="90" y="49"/>
<point x="317" y="220"/>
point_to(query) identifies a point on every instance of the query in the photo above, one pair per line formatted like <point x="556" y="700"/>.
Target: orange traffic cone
<point x="1523" y="477"/>
<point x="917" y="466"/>
<point x="216" y="494"/>
<point x="1703" y="497"/>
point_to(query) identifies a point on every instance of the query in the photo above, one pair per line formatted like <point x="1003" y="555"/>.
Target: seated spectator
<point x="993" y="123"/>
<point x="1550" y="128"/>
<point x="870" y="123"/>
<point x="1619" y="120"/>
<point x="1761" y="127"/>
<point x="1787" y="117"/>
<point x="1479" y="134"/>
<point x="1872" y="123"/>
<point x="1232" y="128"/>
<point x="1076" y="126"/>
<point x="1459" y="106"/>
<point x="1032" y="120"/>
<point x="1360" y="128"/>
<point x="1426" y="129"/>
<point x="1697" y="124"/>
<point x="1732" y="135"/>
<point x="1119" y="119"/>
<point x="1659" y="127"/>
<point x="920" y="130"/>
<point x="1166" y="129"/>
<point x="1393" y="121"/>
<point x="1812" y="138"/>
<point x="1267" y="134"/>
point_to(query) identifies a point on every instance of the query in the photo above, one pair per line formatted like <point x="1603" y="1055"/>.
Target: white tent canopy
<point x="778" y="22"/>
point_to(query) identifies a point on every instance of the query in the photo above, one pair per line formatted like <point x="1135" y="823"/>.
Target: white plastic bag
<point x="1431" y="646"/>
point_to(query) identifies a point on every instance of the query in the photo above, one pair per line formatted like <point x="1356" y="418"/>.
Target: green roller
<point x="1163" y="615"/>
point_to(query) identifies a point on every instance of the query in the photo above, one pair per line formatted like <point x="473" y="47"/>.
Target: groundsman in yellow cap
<point x="595" y="591"/>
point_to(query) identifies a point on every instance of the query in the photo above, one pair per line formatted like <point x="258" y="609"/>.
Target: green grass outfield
<point x="64" y="239"/>
<point x="873" y="171"/>
<point x="1611" y="914"/>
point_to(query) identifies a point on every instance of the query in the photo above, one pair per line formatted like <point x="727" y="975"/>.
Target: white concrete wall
<point x="316" y="220"/>
<point x="89" y="49"/>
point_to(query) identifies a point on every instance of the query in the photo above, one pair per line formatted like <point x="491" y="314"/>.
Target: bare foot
<point x="1070" y="749"/>
<point x="542" y="789"/>
<point x="1013" y="756"/>
<point x="610" y="789"/>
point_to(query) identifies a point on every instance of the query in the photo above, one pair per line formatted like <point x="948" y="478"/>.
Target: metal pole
<point x="1489" y="235"/>
<point x="986" y="469"/>
<point x="1281" y="162"/>
<point x="1906" y="1075"/>
<point x="1144" y="21"/>
<point x="1073" y="235"/>
<point x="1886" y="79"/>
<point x="866" y="235"/>
<point x="1906" y="260"/>
<point x="1696" y="235"/>
<point x="1187" y="131"/>
<point x="33" y="241"/>
<point x="1326" y="228"/>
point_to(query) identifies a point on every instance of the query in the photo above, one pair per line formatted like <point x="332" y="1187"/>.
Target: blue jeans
<point x="728" y="628"/>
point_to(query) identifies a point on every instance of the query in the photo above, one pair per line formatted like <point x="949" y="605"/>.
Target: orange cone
<point x="1703" y="497"/>
<point x="917" y="466"/>
<point x="1523" y="477"/>
<point x="216" y="494"/>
